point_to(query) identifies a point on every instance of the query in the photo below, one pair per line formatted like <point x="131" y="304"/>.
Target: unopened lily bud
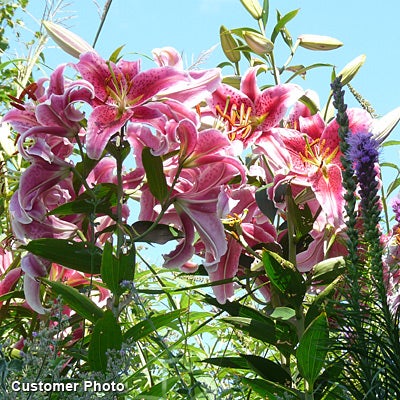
<point x="71" y="43"/>
<point x="257" y="42"/>
<point x="382" y="127"/>
<point x="253" y="7"/>
<point x="229" y="45"/>
<point x="351" y="69"/>
<point x="317" y="42"/>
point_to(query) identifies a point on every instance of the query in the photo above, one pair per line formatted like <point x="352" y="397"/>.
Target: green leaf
<point x="151" y="324"/>
<point x="160" y="390"/>
<point x="264" y="203"/>
<point x="265" y="12"/>
<point x="285" y="278"/>
<point x="105" y="197"/>
<point x="228" y="362"/>
<point x="272" y="391"/>
<point x="77" y="301"/>
<point x="155" y="174"/>
<point x="106" y="336"/>
<point x="312" y="349"/>
<point x="267" y="369"/>
<point x="80" y="256"/>
<point x="328" y="270"/>
<point x="282" y="22"/>
<point x="115" y="270"/>
<point x="264" y="331"/>
<point x="283" y="313"/>
<point x="115" y="56"/>
<point x="391" y="143"/>
<point x="301" y="71"/>
<point x="160" y="234"/>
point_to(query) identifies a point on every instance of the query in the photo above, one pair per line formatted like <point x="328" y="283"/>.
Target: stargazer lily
<point x="249" y="112"/>
<point x="122" y="92"/>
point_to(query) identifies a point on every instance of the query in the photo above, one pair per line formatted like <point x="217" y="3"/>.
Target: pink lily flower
<point x="196" y="201"/>
<point x="191" y="92"/>
<point x="121" y="91"/>
<point x="249" y="112"/>
<point x="53" y="114"/>
<point x="34" y="267"/>
<point x="255" y="229"/>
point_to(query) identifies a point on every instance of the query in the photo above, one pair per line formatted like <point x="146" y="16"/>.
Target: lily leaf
<point x="312" y="349"/>
<point x="80" y="256"/>
<point x="106" y="336"/>
<point x="155" y="174"/>
<point x="77" y="301"/>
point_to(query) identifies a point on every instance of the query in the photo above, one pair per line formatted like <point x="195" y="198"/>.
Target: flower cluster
<point x="196" y="127"/>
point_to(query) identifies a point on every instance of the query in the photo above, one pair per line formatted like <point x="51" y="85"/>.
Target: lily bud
<point x="229" y="45"/>
<point x="257" y="42"/>
<point x="67" y="40"/>
<point x="253" y="7"/>
<point x="317" y="42"/>
<point x="351" y="69"/>
<point x="382" y="127"/>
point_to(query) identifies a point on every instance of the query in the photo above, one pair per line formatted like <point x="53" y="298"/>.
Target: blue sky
<point x="192" y="26"/>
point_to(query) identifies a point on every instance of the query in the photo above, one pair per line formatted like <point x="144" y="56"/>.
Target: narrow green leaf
<point x="267" y="369"/>
<point x="106" y="336"/>
<point x="302" y="71"/>
<point x="259" y="330"/>
<point x="155" y="174"/>
<point x="105" y="197"/>
<point x="77" y="301"/>
<point x="160" y="234"/>
<point x="150" y="325"/>
<point x="115" y="56"/>
<point x="160" y="390"/>
<point x="312" y="349"/>
<point x="282" y="22"/>
<point x="283" y="313"/>
<point x="391" y="143"/>
<point x="80" y="256"/>
<point x="115" y="270"/>
<point x="272" y="391"/>
<point x="228" y="362"/>
<point x="265" y="13"/>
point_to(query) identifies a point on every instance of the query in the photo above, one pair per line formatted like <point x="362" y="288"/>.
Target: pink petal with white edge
<point x="226" y="269"/>
<point x="272" y="104"/>
<point x="249" y="85"/>
<point x="185" y="249"/>
<point x="32" y="295"/>
<point x="104" y="121"/>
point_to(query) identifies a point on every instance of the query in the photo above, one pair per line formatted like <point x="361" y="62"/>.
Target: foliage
<point x="280" y="283"/>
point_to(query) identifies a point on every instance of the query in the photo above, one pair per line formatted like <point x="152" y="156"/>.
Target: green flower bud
<point x="229" y="45"/>
<point x="67" y="40"/>
<point x="317" y="42"/>
<point x="257" y="42"/>
<point x="351" y="69"/>
<point x="253" y="7"/>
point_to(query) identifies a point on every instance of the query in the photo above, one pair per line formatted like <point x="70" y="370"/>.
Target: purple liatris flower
<point x="363" y="152"/>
